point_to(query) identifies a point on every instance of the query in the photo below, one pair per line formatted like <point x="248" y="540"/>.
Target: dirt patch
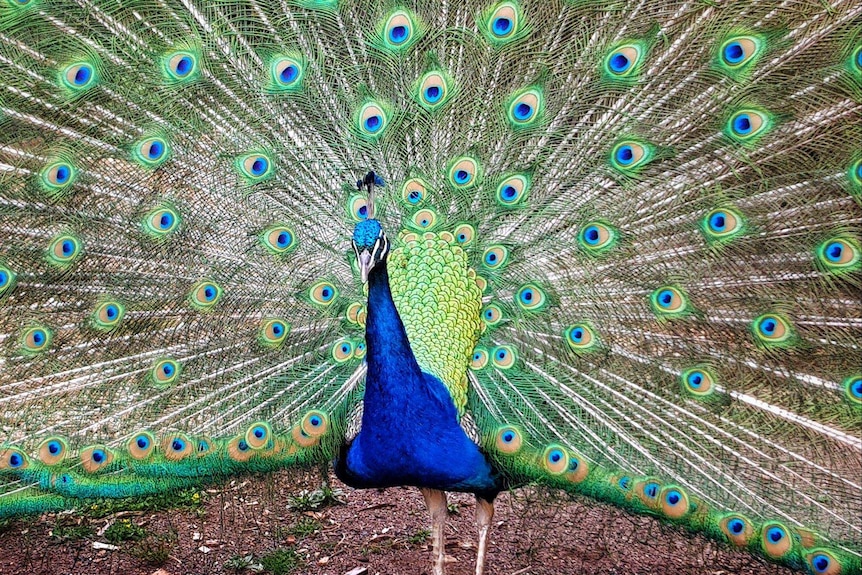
<point x="267" y="524"/>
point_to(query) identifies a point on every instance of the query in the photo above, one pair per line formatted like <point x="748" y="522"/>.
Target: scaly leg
<point x="484" y="515"/>
<point x="435" y="500"/>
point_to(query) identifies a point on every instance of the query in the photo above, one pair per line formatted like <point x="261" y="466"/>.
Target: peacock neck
<point x="392" y="367"/>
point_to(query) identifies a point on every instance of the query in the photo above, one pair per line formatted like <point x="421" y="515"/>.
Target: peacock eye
<point x="503" y="23"/>
<point x="414" y="191"/>
<point x="464" y="173"/>
<point x="525" y="107"/>
<point x="372" y="120"/>
<point x="504" y="356"/>
<point x="495" y="257"/>
<point x="512" y="190"/>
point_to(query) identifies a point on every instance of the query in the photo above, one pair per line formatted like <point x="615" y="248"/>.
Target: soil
<point x="385" y="532"/>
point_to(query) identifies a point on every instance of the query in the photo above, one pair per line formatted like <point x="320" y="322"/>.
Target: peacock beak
<point x="365" y="264"/>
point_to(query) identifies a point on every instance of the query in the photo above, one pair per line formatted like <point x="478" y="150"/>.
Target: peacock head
<point x="370" y="245"/>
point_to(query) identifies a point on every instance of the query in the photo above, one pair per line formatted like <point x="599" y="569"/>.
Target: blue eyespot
<point x="284" y="239"/>
<point x="527" y="296"/>
<point x="315" y="421"/>
<point x="277" y="328"/>
<point x="143" y="442"/>
<point x="625" y="155"/>
<point x="242" y="445"/>
<point x="742" y="124"/>
<point x="462" y="238"/>
<point x="259" y="432"/>
<point x="651" y="490"/>
<point x="54" y="447"/>
<point x="775" y="534"/>
<point x="83" y="75"/>
<point x="326" y="294"/>
<point x="156" y="150"/>
<point x="289" y="74"/>
<point x="695" y="379"/>
<point x="673" y="497"/>
<point x="4" y="277"/>
<point x="61" y="174"/>
<point x="433" y="94"/>
<point x="209" y="293"/>
<point x="820" y="563"/>
<point x="38" y="336"/>
<point x="112" y="311"/>
<point x="259" y="166"/>
<point x="183" y="66"/>
<point x="736" y="526"/>
<point x="665" y="298"/>
<point x="555" y="456"/>
<point x="834" y="251"/>
<point x="523" y="111"/>
<point x="462" y="176"/>
<point x="373" y="123"/>
<point x="734" y="53"/>
<point x="167" y="369"/>
<point x="619" y="63"/>
<point x="767" y="327"/>
<point x="98" y="455"/>
<point x="415" y="197"/>
<point x="718" y="222"/>
<point x="491" y="258"/>
<point x="15" y="460"/>
<point x="592" y="235"/>
<point x="509" y="192"/>
<point x="625" y="483"/>
<point x="508" y="436"/>
<point x="856" y="387"/>
<point x="166" y="220"/>
<point x="501" y="354"/>
<point x="178" y="444"/>
<point x="398" y="34"/>
<point x="502" y="26"/>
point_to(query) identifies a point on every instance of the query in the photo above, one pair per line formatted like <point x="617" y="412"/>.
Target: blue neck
<point x="392" y="368"/>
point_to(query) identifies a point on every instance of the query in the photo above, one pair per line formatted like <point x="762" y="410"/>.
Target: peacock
<point x="609" y="248"/>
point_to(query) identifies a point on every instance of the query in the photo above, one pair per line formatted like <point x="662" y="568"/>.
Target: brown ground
<point x="384" y="532"/>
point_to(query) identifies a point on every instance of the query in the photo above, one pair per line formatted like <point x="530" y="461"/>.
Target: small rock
<point x="197" y="536"/>
<point x="358" y="571"/>
<point x="107" y="546"/>
<point x="323" y="560"/>
<point x="204" y="549"/>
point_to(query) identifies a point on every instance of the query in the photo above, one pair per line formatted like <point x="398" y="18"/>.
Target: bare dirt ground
<point x="257" y="524"/>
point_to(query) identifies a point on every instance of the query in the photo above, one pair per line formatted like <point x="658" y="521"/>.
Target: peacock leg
<point x="435" y="500"/>
<point x="484" y="515"/>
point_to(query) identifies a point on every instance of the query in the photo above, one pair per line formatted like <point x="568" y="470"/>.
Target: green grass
<point x="124" y="530"/>
<point x="183" y="499"/>
<point x="281" y="561"/>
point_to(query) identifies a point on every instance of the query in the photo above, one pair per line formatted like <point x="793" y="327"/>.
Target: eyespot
<point x="315" y="424"/>
<point x="414" y="191"/>
<point x="323" y="293"/>
<point x="58" y="176"/>
<point x="698" y="381"/>
<point x="531" y="298"/>
<point x="238" y="450"/>
<point x="492" y="314"/>
<point x="359" y="349"/>
<point x="95" y="458"/>
<point x="503" y="356"/>
<point x="772" y="329"/>
<point x="79" y="76"/>
<point x="513" y="189"/>
<point x="737" y="529"/>
<point x="629" y="156"/>
<point x="555" y="460"/>
<point x="273" y="332"/>
<point x="508" y="440"/>
<point x="775" y="539"/>
<point x="839" y="254"/>
<point x="853" y="388"/>
<point x="581" y="337"/>
<point x="108" y="314"/>
<point x="64" y="250"/>
<point x="342" y="350"/>
<point x="674" y="502"/>
<point x="53" y="451"/>
<point x="165" y="372"/>
<point x="12" y="458"/>
<point x="286" y="73"/>
<point x="668" y="301"/>
<point x="738" y="51"/>
<point x="578" y="468"/>
<point x="7" y="279"/>
<point x="357" y="207"/>
<point x="180" y="66"/>
<point x="177" y="446"/>
<point x="204" y="445"/>
<point x="464" y="173"/>
<point x="372" y="120"/>
<point x="255" y="167"/>
<point x="205" y="295"/>
<point x="503" y="23"/>
<point x="36" y="339"/>
<point x="624" y="483"/>
<point x="495" y="257"/>
<point x="747" y="125"/>
<point x="258" y="435"/>
<point x="464" y="234"/>
<point x="161" y="222"/>
<point x="525" y="107"/>
<point x="424" y="220"/>
<point x="855" y="171"/>
<point x="355" y="313"/>
<point x="278" y="240"/>
<point x="399" y="32"/>
<point x="822" y="562"/>
<point x="479" y="359"/>
<point x="624" y="61"/>
<point x="151" y="152"/>
<point x="722" y="224"/>
<point x="433" y="90"/>
<point x="648" y="491"/>
<point x="141" y="446"/>
<point x="596" y="238"/>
